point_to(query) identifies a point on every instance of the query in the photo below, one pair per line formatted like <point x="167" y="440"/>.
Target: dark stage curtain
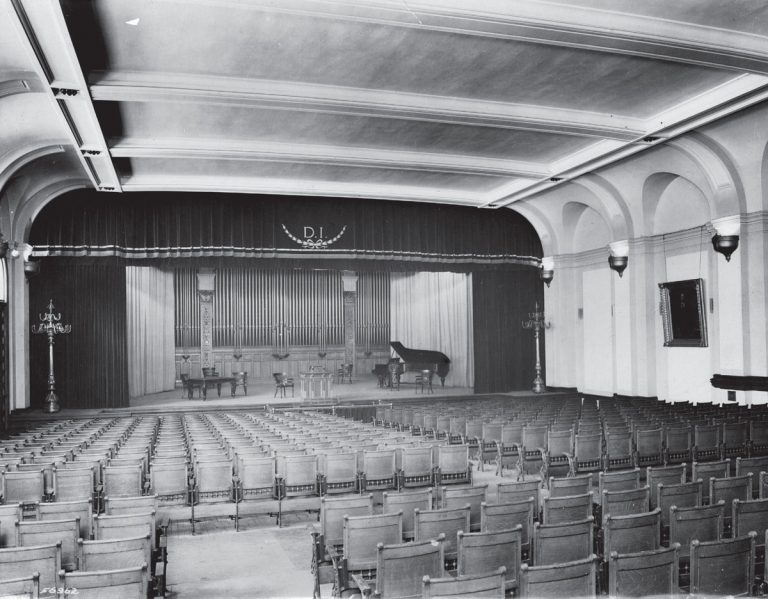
<point x="91" y="364"/>
<point x="504" y="351"/>
<point x="357" y="234"/>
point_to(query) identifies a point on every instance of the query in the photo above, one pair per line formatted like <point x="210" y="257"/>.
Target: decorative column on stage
<point x="349" y="279"/>
<point x="537" y="323"/>
<point x="51" y="326"/>
<point x="206" y="285"/>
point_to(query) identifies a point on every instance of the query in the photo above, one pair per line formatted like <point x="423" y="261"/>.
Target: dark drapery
<point x="504" y="351"/>
<point x="365" y="234"/>
<point x="91" y="364"/>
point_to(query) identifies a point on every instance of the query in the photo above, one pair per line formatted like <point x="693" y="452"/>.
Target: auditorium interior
<point x="395" y="298"/>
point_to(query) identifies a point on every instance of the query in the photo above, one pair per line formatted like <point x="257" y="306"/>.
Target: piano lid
<point x="419" y="355"/>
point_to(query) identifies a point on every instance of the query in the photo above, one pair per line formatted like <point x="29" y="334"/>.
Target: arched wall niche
<point x="587" y="228"/>
<point x="673" y="203"/>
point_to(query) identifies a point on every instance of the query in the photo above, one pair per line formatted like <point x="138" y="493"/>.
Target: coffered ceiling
<point x="481" y="103"/>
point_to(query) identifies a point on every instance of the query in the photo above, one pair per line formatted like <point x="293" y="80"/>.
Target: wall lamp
<point x="619" y="256"/>
<point x="726" y="238"/>
<point x="547" y="272"/>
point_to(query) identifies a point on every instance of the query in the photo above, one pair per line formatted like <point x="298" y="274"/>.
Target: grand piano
<point x="413" y="360"/>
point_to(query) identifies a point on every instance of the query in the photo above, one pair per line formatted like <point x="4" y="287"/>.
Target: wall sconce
<point x="547" y="272"/>
<point x="726" y="238"/>
<point x="619" y="257"/>
<point x="31" y="268"/>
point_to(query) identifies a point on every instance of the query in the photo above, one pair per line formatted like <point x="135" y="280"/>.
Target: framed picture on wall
<point x="683" y="314"/>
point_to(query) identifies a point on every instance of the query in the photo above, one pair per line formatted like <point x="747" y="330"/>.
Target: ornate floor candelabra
<point x="537" y="323"/>
<point x="51" y="326"/>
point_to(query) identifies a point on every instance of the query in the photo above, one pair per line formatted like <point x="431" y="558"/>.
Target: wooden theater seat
<point x="481" y="552"/>
<point x="487" y="585"/>
<point x="558" y="543"/>
<point x="407" y="503"/>
<point x="725" y="567"/>
<point x="567" y="579"/>
<point x="17" y="562"/>
<point x="123" y="583"/>
<point x="25" y="587"/>
<point x="644" y="573"/>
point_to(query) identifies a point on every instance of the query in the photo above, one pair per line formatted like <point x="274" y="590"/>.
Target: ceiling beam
<point x="328" y="155"/>
<point x="122" y="86"/>
<point x="550" y="23"/>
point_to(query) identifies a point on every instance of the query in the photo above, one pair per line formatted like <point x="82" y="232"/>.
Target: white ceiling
<point x="480" y="103"/>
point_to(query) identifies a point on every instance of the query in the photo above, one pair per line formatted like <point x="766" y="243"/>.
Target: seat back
<point x="333" y="510"/>
<point x="83" y="510"/>
<point x="645" y="573"/>
<point x="752" y="466"/>
<point x="400" y="568"/>
<point x="535" y="437"/>
<point x="125" y="583"/>
<point x="728" y="489"/>
<point x="749" y="515"/>
<point x="51" y="532"/>
<point x="588" y="447"/>
<point x="169" y="481"/>
<point x="725" y="567"/>
<point x="114" y="553"/>
<point x="571" y="485"/>
<point x="417" y="464"/>
<point x="707" y="470"/>
<point x="481" y="552"/>
<point x="560" y="442"/>
<point x="667" y="475"/>
<point x="622" y="503"/>
<point x="379" y="466"/>
<point x="25" y="587"/>
<point x="23" y="487"/>
<point x="431" y="524"/>
<point x="363" y="533"/>
<point x="459" y="497"/>
<point x="684" y="495"/>
<point x="649" y="442"/>
<point x="574" y="579"/>
<point x="407" y="503"/>
<point x="123" y="481"/>
<point x="486" y="584"/>
<point x="631" y="533"/>
<point x="298" y="471"/>
<point x="507" y="516"/>
<point x="558" y="543"/>
<point x="124" y="526"/>
<point x="17" y="562"/>
<point x="520" y="491"/>
<point x="73" y="485"/>
<point x="704" y="523"/>
<point x="10" y="514"/>
<point x="620" y="480"/>
<point x="114" y="506"/>
<point x="571" y="508"/>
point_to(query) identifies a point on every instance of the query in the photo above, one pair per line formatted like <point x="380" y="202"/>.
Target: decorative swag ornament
<point x="174" y="225"/>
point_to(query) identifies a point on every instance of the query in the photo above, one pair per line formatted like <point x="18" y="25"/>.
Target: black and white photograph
<point x="356" y="299"/>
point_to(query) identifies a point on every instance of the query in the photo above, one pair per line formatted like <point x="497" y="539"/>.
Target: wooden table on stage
<point x="203" y="383"/>
<point x="316" y="385"/>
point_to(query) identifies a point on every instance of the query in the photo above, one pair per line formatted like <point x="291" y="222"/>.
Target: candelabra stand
<point x="537" y="323"/>
<point x="50" y="325"/>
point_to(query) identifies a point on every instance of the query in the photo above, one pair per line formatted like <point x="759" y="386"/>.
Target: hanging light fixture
<point x="619" y="256"/>
<point x="726" y="238"/>
<point x="547" y="272"/>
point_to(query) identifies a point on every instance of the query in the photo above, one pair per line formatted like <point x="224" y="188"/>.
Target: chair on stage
<point x="282" y="382"/>
<point x="344" y="372"/>
<point x="241" y="380"/>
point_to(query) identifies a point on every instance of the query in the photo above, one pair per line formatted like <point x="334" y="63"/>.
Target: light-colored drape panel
<point x="151" y="344"/>
<point x="433" y="310"/>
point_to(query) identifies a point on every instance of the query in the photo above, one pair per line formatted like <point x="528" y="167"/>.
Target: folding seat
<point x="735" y="440"/>
<point x="572" y="579"/>
<point x="473" y="437"/>
<point x="113" y="554"/>
<point x="452" y="465"/>
<point x="707" y="443"/>
<point x="461" y="496"/>
<point x="442" y="427"/>
<point x="430" y="524"/>
<point x="123" y="481"/>
<point x="429" y="428"/>
<point x="125" y="583"/>
<point x="559" y="543"/>
<point x="170" y="482"/>
<point x="17" y="562"/>
<point x="684" y="495"/>
<point x="649" y="447"/>
<point x="400" y="569"/>
<point x="571" y="485"/>
<point x="417" y="468"/>
<point x="51" y="532"/>
<point x="63" y="510"/>
<point x="509" y="448"/>
<point x="749" y="516"/>
<point x="361" y="537"/>
<point x="758" y="438"/>
<point x="490" y="442"/>
<point x="644" y="573"/>
<point x="587" y="453"/>
<point x="379" y="471"/>
<point x="25" y="587"/>
<point x="10" y="514"/>
<point x="471" y="585"/>
<point x="26" y="488"/>
<point x="620" y="480"/>
<point x="332" y="511"/>
<point x="485" y="551"/>
<point x="728" y="489"/>
<point x="297" y="477"/>
<point x="622" y="503"/>
<point x="114" y="506"/>
<point x="707" y="470"/>
<point x="619" y="451"/>
<point x="631" y="533"/>
<point x="573" y="508"/>
<point x="407" y="503"/>
<point x="338" y="473"/>
<point x="725" y="567"/>
<point x="123" y="526"/>
<point x="704" y="523"/>
<point x="532" y="451"/>
<point x="510" y="492"/>
<point x="752" y="466"/>
<point x="668" y="475"/>
<point x="559" y="455"/>
<point x="677" y="445"/>
<point x="73" y="485"/>
<point x="508" y="516"/>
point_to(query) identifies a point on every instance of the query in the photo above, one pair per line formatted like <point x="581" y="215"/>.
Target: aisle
<point x="261" y="563"/>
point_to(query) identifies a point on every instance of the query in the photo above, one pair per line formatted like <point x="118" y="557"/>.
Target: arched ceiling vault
<point x="482" y="104"/>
